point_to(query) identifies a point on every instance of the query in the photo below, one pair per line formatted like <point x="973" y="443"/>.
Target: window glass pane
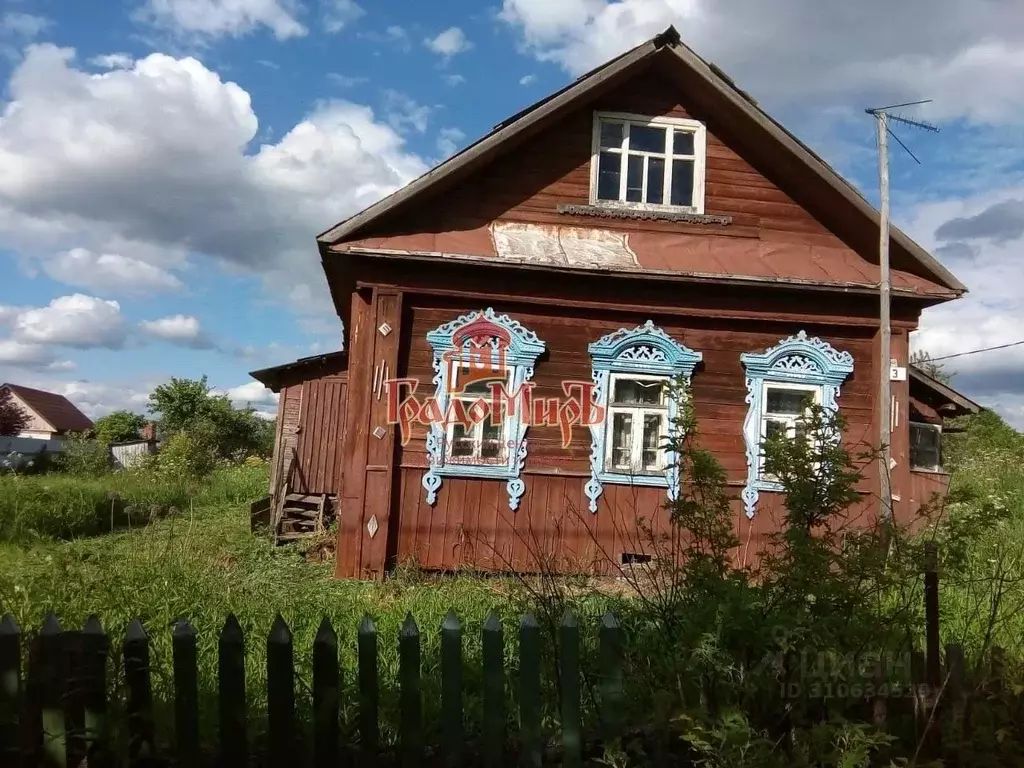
<point x="655" y="180"/>
<point x="682" y="182"/>
<point x="638" y="392"/>
<point x="622" y="440"/>
<point x="611" y="135"/>
<point x="481" y="388"/>
<point x="635" y="179"/>
<point x="774" y="428"/>
<point x="462" y="442"/>
<point x="652" y="440"/>
<point x="682" y="142"/>
<point x="788" y="401"/>
<point x="645" y="138"/>
<point x="925" y="446"/>
<point x="608" y="174"/>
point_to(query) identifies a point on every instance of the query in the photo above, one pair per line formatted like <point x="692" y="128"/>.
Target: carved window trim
<point x="511" y="346"/>
<point x="799" y="360"/>
<point x="642" y="351"/>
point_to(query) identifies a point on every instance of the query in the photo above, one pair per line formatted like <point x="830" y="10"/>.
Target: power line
<point x="974" y="351"/>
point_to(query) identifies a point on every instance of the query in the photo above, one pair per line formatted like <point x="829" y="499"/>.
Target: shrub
<point x="84" y="456"/>
<point x="183" y="455"/>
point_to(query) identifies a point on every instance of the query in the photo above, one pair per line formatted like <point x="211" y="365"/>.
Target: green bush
<point x="85" y="457"/>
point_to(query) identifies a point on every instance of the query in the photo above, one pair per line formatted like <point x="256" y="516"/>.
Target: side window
<point x="632" y="371"/>
<point x="780" y="382"/>
<point x="481" y="361"/>
<point x="925" y="447"/>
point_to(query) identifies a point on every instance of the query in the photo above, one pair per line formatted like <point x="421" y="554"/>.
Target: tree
<point x="190" y="406"/>
<point x="119" y="427"/>
<point x="12" y="418"/>
<point x="923" y="362"/>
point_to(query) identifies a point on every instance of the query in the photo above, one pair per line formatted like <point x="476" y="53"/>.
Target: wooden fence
<point x="75" y="723"/>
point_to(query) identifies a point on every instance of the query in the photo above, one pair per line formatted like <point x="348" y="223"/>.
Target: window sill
<point x="620" y="478"/>
<point x="626" y="212"/>
<point x="929" y="471"/>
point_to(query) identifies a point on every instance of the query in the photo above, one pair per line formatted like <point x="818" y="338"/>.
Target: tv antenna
<point x="883" y="116"/>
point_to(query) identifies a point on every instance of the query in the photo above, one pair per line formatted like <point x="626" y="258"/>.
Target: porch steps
<point x="303" y="516"/>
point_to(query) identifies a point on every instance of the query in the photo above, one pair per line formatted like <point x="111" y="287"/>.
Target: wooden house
<point x="51" y="417"/>
<point x="647" y="221"/>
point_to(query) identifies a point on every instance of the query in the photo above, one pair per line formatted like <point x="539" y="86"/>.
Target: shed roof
<point x="945" y="400"/>
<point x="273" y="378"/>
<point x="668" y="50"/>
<point x="59" y="412"/>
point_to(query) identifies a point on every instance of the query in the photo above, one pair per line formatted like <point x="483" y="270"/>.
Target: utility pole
<point x="882" y="117"/>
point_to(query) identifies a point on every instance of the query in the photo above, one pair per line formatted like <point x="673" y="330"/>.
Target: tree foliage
<point x="12" y="418"/>
<point x="119" y="427"/>
<point x="924" y="363"/>
<point x="190" y="406"/>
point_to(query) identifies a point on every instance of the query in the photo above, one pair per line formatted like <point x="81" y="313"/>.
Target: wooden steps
<point x="303" y="516"/>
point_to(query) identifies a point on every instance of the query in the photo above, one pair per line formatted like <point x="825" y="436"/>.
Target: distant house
<point x="51" y="416"/>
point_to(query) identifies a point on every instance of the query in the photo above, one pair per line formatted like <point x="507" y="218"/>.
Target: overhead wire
<point x="975" y="351"/>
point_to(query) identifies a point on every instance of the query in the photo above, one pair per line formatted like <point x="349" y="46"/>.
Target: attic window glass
<point x="925" y="447"/>
<point x="650" y="163"/>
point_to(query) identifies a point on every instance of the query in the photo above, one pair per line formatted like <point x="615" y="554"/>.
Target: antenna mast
<point x="882" y="116"/>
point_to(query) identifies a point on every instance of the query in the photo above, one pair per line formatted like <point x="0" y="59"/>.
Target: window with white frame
<point x="473" y="354"/>
<point x="637" y="424"/>
<point x="648" y="163"/>
<point x="480" y="436"/>
<point x="785" y="410"/>
<point x="925" y="447"/>
<point x="633" y="371"/>
<point x="780" y="381"/>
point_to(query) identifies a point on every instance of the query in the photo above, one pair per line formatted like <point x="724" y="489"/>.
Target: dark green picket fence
<point x="57" y="705"/>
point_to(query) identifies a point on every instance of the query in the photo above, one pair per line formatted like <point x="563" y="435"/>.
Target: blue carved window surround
<point x="463" y="344"/>
<point x="643" y="353"/>
<point x="800" y="363"/>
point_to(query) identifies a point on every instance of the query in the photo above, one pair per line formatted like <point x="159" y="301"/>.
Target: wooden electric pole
<point x="882" y="118"/>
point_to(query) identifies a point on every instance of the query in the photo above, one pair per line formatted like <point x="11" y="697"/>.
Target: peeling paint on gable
<point x="562" y="246"/>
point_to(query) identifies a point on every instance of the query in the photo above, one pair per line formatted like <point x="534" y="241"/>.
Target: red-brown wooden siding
<point x="471" y="524"/>
<point x="321" y="425"/>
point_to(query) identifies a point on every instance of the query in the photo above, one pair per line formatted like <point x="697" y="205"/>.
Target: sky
<point x="165" y="165"/>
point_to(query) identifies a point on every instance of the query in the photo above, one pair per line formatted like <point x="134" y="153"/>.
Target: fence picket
<point x="186" y="693"/>
<point x="368" y="699"/>
<point x="326" y="698"/>
<point x="494" y="692"/>
<point x="529" y="691"/>
<point x="451" y="689"/>
<point x="140" y="696"/>
<point x="51" y="688"/>
<point x="10" y="691"/>
<point x="410" y="735"/>
<point x="612" y="709"/>
<point x="95" y="652"/>
<point x="231" y="694"/>
<point x="569" y="656"/>
<point x="280" y="692"/>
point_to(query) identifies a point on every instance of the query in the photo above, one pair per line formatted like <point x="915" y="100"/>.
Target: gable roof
<point x="668" y="48"/>
<point x="59" y="412"/>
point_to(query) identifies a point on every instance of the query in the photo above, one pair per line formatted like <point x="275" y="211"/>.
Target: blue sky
<point x="165" y="164"/>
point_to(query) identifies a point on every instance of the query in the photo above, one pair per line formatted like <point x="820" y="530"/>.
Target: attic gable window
<point x="648" y="163"/>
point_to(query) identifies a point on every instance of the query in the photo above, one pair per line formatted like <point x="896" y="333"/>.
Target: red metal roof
<point x="56" y="409"/>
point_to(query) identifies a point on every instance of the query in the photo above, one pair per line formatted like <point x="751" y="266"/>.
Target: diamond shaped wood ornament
<point x="380" y="433"/>
<point x="384" y="329"/>
<point x="371" y="526"/>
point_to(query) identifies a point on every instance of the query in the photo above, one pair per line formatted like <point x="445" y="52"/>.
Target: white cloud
<point x="448" y="141"/>
<point x="340" y="13"/>
<point x="454" y="80"/>
<point x="24" y="355"/>
<point x="969" y="57"/>
<point x="112" y="61"/>
<point x="79" y="321"/>
<point x="223" y="18"/>
<point x="109" y="273"/>
<point x="182" y="330"/>
<point x="251" y="393"/>
<point x="402" y="112"/>
<point x="23" y="25"/>
<point x="527" y="79"/>
<point x="154" y="161"/>
<point x="449" y="43"/>
<point x="346" y="81"/>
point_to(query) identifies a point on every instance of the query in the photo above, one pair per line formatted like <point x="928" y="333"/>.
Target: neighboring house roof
<point x="934" y="399"/>
<point x="56" y="410"/>
<point x="919" y="267"/>
<point x="274" y="377"/>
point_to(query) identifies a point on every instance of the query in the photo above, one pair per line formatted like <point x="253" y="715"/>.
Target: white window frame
<point x="476" y="428"/>
<point x="637" y="412"/>
<point x="816" y="390"/>
<point x="910" y="444"/>
<point x="699" y="157"/>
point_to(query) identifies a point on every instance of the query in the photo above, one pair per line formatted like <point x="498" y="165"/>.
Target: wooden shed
<point x="306" y="471"/>
<point x="513" y="317"/>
